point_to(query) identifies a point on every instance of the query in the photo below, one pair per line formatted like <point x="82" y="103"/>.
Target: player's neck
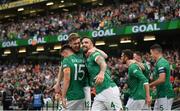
<point x="69" y="54"/>
<point x="128" y="62"/>
<point x="158" y="57"/>
<point x="89" y="52"/>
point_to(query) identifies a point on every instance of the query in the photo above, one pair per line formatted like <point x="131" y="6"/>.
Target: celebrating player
<point x="74" y="74"/>
<point x="165" y="93"/>
<point x="108" y="96"/>
<point x="137" y="83"/>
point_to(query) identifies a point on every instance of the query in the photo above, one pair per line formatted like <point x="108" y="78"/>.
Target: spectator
<point x="37" y="101"/>
<point x="7" y="98"/>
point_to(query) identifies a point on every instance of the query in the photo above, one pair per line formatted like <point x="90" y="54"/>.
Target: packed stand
<point x="24" y="80"/>
<point x="99" y="17"/>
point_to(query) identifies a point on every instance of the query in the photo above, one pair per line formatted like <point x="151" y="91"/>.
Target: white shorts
<point x="136" y="105"/>
<point x="163" y="104"/>
<point x="87" y="91"/>
<point x="75" y="105"/>
<point x="109" y="99"/>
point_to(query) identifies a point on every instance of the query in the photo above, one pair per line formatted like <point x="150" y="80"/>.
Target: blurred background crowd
<point x="23" y="79"/>
<point x="91" y="18"/>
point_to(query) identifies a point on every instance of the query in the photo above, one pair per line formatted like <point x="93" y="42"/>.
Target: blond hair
<point x="73" y="36"/>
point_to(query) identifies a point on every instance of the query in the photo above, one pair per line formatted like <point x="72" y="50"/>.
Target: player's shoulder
<point x="95" y="54"/>
<point x="162" y="62"/>
<point x="66" y="60"/>
<point x="133" y="66"/>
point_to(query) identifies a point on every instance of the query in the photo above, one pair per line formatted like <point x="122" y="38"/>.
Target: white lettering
<point x="63" y="37"/>
<point x="142" y="28"/>
<point x="145" y="28"/>
<point x="135" y="29"/>
<point x="103" y="33"/>
<point x="156" y="28"/>
<point x="9" y="44"/>
<point x="30" y="41"/>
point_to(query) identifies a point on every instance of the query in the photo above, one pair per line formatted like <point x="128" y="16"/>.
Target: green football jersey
<point x="80" y="55"/>
<point x="146" y="72"/>
<point x="77" y="77"/>
<point x="136" y="81"/>
<point x="94" y="69"/>
<point x="165" y="89"/>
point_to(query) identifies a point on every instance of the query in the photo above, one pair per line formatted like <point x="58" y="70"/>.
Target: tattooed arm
<point x="102" y="64"/>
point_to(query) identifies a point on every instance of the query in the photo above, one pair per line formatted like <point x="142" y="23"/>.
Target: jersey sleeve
<point x="95" y="55"/>
<point x="147" y="71"/>
<point x="161" y="68"/>
<point x="136" y="72"/>
<point x="65" y="64"/>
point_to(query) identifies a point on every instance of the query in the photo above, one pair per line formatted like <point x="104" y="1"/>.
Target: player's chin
<point x="84" y="49"/>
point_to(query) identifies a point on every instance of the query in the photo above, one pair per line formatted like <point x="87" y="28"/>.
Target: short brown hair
<point x="73" y="36"/>
<point x="128" y="53"/>
<point x="138" y="53"/>
<point x="86" y="37"/>
<point x="66" y="47"/>
<point x="156" y="47"/>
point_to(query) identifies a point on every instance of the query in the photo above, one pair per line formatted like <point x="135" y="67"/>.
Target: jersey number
<point x="79" y="69"/>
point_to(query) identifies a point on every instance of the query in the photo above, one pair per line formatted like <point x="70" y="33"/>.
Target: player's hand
<point x="99" y="78"/>
<point x="64" y="103"/>
<point x="91" y="51"/>
<point x="133" y="61"/>
<point x="57" y="88"/>
<point x="148" y="101"/>
<point x="150" y="85"/>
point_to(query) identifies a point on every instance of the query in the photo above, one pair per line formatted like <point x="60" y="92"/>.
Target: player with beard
<point x="108" y="96"/>
<point x="137" y="83"/>
<point x="74" y="42"/>
<point x="146" y="70"/>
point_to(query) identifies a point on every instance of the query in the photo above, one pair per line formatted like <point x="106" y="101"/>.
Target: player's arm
<point x="94" y="49"/>
<point x="138" y="74"/>
<point x="66" y="80"/>
<point x="141" y="65"/>
<point x="60" y="75"/>
<point x="161" y="79"/>
<point x="102" y="64"/>
<point x="148" y="98"/>
<point x="102" y="53"/>
<point x="59" y="79"/>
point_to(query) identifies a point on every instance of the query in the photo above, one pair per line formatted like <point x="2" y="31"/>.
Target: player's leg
<point x="160" y="104"/>
<point x="113" y="101"/>
<point x="76" y="104"/>
<point x="87" y="91"/>
<point x="169" y="103"/>
<point x="146" y="108"/>
<point x="129" y="104"/>
<point x="135" y="104"/>
<point x="98" y="106"/>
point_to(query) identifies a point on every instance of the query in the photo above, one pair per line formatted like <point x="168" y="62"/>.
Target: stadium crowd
<point x="22" y="80"/>
<point x="98" y="17"/>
